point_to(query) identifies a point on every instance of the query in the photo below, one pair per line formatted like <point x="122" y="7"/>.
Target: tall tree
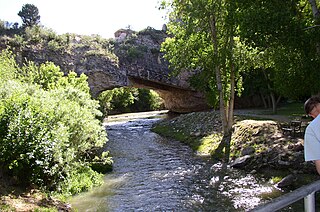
<point x="285" y="39"/>
<point x="29" y="15"/>
<point x="204" y="38"/>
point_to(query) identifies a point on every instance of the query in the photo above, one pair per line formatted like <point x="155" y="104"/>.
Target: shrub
<point x="80" y="180"/>
<point x="33" y="34"/>
<point x="48" y="127"/>
<point x="43" y="133"/>
<point x="8" y="66"/>
<point x="46" y="75"/>
<point x="147" y="100"/>
<point x="54" y="45"/>
<point x="136" y="52"/>
<point x="17" y="41"/>
<point x="118" y="99"/>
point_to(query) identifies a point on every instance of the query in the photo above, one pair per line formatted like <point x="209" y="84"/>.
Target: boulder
<point x="287" y="181"/>
<point x="241" y="162"/>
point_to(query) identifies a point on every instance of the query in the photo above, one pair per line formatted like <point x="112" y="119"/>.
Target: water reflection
<point x="152" y="173"/>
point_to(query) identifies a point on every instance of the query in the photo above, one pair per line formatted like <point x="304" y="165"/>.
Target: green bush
<point x="118" y="100"/>
<point x="147" y="100"/>
<point x="48" y="127"/>
<point x="79" y="180"/>
<point x="8" y="66"/>
<point x="127" y="99"/>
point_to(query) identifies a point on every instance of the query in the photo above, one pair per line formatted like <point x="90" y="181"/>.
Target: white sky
<point x="84" y="17"/>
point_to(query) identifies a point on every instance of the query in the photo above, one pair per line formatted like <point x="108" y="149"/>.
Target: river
<point x="153" y="173"/>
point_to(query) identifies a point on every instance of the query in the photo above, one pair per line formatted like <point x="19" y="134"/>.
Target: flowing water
<point x="153" y="173"/>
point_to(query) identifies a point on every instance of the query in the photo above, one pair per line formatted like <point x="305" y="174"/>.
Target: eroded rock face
<point x="134" y="60"/>
<point x="183" y="101"/>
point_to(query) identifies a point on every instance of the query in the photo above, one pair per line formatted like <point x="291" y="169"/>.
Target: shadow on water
<point x="152" y="173"/>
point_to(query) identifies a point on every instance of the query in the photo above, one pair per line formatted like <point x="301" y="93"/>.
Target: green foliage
<point x="131" y="48"/>
<point x="147" y="100"/>
<point x="46" y="75"/>
<point x="193" y="53"/>
<point x="6" y="208"/>
<point x="48" y="127"/>
<point x="128" y="99"/>
<point x="95" y="46"/>
<point x="136" y="52"/>
<point x="54" y="45"/>
<point x="34" y="35"/>
<point x="203" y="39"/>
<point x="46" y="209"/>
<point x="79" y="180"/>
<point x="205" y="82"/>
<point x="8" y="66"/>
<point x="122" y="98"/>
<point x="276" y="38"/>
<point x="29" y="15"/>
<point x="17" y="41"/>
<point x="40" y="37"/>
<point x="156" y="102"/>
<point x="102" y="164"/>
<point x="285" y="46"/>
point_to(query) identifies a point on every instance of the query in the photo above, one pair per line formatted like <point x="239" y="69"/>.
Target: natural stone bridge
<point x="142" y="65"/>
<point x="177" y="96"/>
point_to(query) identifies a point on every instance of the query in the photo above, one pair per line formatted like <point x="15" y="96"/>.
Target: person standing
<point x="312" y="133"/>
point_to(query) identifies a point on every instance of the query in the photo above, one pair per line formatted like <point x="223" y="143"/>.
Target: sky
<point x="88" y="17"/>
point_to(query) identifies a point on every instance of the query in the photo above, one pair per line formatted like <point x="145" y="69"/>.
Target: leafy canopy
<point x="29" y="15"/>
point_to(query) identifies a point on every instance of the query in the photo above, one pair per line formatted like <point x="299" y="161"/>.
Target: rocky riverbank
<point x="258" y="144"/>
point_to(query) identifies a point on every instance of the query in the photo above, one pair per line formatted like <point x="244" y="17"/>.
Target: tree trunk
<point x="228" y="132"/>
<point x="218" y="73"/>
<point x="278" y="100"/>
<point x="273" y="102"/>
<point x="232" y="87"/>
<point x="272" y="95"/>
<point x="226" y="108"/>
<point x="218" y="153"/>
<point x="316" y="16"/>
<point x="223" y="145"/>
<point x="263" y="100"/>
<point x="315" y="10"/>
<point x="269" y="101"/>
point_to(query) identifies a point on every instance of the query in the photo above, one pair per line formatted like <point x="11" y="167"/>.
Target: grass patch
<point x="167" y="132"/>
<point x="6" y="208"/>
<point x="209" y="143"/>
<point x="291" y="109"/>
<point x="203" y="145"/>
<point x="276" y="179"/>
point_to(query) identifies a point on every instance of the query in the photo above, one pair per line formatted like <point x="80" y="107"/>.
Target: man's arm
<point x="317" y="162"/>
